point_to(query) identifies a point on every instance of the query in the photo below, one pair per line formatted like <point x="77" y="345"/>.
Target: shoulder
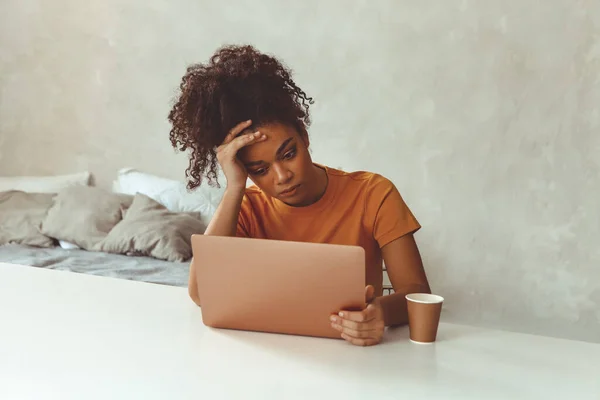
<point x="369" y="182"/>
<point x="386" y="213"/>
<point x="377" y="193"/>
<point x="253" y="195"/>
<point x="253" y="192"/>
<point x="255" y="199"/>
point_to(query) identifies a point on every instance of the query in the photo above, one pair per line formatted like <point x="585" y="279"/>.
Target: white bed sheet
<point x="146" y="269"/>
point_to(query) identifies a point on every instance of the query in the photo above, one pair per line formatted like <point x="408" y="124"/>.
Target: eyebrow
<point x="283" y="146"/>
<point x="277" y="153"/>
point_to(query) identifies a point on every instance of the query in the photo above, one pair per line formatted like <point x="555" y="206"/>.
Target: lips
<point x="289" y="191"/>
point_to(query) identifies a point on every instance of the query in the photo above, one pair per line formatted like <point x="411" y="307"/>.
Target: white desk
<point x="72" y="336"/>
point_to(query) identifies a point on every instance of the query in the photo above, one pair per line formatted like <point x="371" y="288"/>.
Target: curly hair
<point x="238" y="83"/>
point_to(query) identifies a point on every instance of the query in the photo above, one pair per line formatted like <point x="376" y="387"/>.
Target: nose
<point x="283" y="175"/>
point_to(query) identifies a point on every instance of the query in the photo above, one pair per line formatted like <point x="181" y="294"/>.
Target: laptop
<point x="277" y="286"/>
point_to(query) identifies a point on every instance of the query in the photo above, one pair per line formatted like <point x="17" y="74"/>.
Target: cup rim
<point x="428" y="298"/>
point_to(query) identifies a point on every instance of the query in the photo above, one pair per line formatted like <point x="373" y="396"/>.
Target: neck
<point x="321" y="181"/>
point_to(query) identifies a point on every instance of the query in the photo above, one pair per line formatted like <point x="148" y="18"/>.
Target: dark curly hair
<point x="238" y="83"/>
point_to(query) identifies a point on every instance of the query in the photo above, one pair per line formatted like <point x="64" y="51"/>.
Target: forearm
<point x="224" y="222"/>
<point x="394" y="305"/>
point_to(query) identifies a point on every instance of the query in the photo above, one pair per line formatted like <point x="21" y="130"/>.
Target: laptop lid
<point x="277" y="286"/>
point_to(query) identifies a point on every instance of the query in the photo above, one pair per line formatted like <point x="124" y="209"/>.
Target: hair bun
<point x="238" y="83"/>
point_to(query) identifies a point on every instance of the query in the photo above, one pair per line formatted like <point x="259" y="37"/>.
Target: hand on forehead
<point x="277" y="135"/>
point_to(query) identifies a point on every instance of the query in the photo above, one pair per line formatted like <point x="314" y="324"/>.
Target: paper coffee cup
<point x="423" y="316"/>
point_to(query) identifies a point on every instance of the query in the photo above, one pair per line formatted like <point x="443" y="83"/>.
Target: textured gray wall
<point x="486" y="114"/>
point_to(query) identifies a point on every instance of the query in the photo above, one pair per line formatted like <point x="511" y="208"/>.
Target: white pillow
<point x="68" y="245"/>
<point x="43" y="184"/>
<point x="173" y="194"/>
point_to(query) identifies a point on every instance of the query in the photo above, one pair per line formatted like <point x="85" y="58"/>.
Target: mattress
<point x="145" y="269"/>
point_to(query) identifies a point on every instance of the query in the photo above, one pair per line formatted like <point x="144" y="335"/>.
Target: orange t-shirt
<point x="358" y="208"/>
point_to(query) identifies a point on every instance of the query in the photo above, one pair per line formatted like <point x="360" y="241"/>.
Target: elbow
<point x="193" y="292"/>
<point x="193" y="285"/>
<point x="419" y="288"/>
<point x="425" y="289"/>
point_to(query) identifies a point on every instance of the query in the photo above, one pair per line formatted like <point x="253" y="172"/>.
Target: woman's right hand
<point x="234" y="170"/>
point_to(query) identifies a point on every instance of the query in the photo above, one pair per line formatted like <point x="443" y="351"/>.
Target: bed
<point x="138" y="268"/>
<point x="139" y="229"/>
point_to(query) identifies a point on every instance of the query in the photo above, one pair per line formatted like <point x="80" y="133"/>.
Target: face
<point x="281" y="165"/>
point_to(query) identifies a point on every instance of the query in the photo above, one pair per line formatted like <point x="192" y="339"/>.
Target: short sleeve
<point x="244" y="223"/>
<point x="392" y="217"/>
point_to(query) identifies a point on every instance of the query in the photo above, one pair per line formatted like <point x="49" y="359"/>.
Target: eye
<point x="289" y="155"/>
<point x="260" y="171"/>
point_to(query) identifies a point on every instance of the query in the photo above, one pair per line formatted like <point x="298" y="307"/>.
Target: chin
<point x="297" y="202"/>
<point x="294" y="201"/>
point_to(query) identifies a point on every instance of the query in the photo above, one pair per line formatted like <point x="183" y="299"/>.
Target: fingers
<point x="366" y="321"/>
<point x="229" y="151"/>
<point x="361" y="328"/>
<point x="245" y="140"/>
<point x="349" y="323"/>
<point x="370" y="312"/>
<point x="369" y="293"/>
<point x="360" y="341"/>
<point x="236" y="130"/>
<point x="358" y="334"/>
<point x="365" y="315"/>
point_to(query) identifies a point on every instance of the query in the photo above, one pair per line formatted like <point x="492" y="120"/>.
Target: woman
<point x="243" y="111"/>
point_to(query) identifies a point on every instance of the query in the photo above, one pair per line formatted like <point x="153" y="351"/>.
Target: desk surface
<point x="72" y="336"/>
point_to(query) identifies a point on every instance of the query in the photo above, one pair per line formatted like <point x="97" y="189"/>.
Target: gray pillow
<point x="83" y="215"/>
<point x="21" y="214"/>
<point x="149" y="229"/>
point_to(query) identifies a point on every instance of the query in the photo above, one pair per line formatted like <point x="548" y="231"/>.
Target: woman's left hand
<point x="361" y="328"/>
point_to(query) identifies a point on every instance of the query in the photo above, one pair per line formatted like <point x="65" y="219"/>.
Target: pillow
<point x="83" y="215"/>
<point x="173" y="194"/>
<point x="68" y="245"/>
<point x="21" y="214"/>
<point x="150" y="229"/>
<point x="43" y="184"/>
